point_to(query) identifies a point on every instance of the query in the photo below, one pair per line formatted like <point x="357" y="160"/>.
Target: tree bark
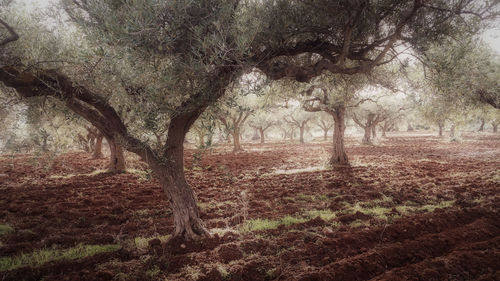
<point x="325" y="134"/>
<point x="441" y="127"/>
<point x="116" y="159"/>
<point x="262" y="136"/>
<point x="339" y="156"/>
<point x="236" y="141"/>
<point x="170" y="172"/>
<point x="97" y="154"/>
<point x="495" y="127"/>
<point x="367" y="136"/>
<point x="374" y="131"/>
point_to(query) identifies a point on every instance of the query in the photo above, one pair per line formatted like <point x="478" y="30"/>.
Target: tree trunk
<point x="384" y="129"/>
<point x="325" y="134"/>
<point x="201" y="137"/>
<point x="495" y="127"/>
<point x="441" y="126"/>
<point x="302" y="129"/>
<point x="452" y="131"/>
<point x="410" y="128"/>
<point x="116" y="159"/>
<point x="261" y="131"/>
<point x="236" y="141"/>
<point x="374" y="131"/>
<point x="367" y="135"/>
<point x="170" y="172"/>
<point x="339" y="156"/>
<point x="481" y="128"/>
<point x="98" y="147"/>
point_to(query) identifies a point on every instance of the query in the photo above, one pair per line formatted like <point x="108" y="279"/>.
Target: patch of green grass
<point x="144" y="175"/>
<point x="265" y="224"/>
<point x="411" y="207"/>
<point x="358" y="223"/>
<point x="376" y="211"/>
<point x="323" y="214"/>
<point x="143" y="242"/>
<point x="43" y="256"/>
<point x="5" y="228"/>
<point x="433" y="207"/>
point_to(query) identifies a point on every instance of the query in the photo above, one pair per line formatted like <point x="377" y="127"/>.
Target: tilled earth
<point x="411" y="208"/>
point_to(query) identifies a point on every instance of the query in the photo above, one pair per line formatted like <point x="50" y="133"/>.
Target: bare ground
<point x="411" y="208"/>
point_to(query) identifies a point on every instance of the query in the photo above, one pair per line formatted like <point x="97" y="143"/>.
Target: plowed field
<point x="411" y="208"/>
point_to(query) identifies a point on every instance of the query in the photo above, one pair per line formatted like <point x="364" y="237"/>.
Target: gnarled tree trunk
<point x="117" y="158"/>
<point x="339" y="156"/>
<point x="170" y="173"/>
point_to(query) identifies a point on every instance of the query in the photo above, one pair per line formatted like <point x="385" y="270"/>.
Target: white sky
<point x="491" y="36"/>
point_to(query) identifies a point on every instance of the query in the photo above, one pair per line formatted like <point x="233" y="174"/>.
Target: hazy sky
<point x="491" y="37"/>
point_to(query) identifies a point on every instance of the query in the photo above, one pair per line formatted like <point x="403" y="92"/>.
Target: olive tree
<point x="175" y="58"/>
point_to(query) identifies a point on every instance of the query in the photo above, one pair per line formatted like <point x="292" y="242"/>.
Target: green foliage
<point x="465" y="70"/>
<point x="40" y="257"/>
<point x="264" y="224"/>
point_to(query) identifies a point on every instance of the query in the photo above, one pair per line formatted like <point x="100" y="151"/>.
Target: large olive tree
<point x="175" y="58"/>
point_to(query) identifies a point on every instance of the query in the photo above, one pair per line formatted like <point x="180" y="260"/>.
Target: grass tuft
<point x="323" y="214"/>
<point x="5" y="228"/>
<point x="43" y="256"/>
<point x="265" y="224"/>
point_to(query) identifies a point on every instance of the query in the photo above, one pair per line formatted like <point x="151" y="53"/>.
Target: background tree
<point x="325" y="123"/>
<point x="300" y="120"/>
<point x="262" y="120"/>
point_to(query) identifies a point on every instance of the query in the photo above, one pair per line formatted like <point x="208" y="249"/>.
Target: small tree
<point x="325" y="123"/>
<point x="300" y="120"/>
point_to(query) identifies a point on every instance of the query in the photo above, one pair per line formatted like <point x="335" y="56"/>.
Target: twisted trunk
<point x="116" y="159"/>
<point x="170" y="172"/>
<point x="339" y="156"/>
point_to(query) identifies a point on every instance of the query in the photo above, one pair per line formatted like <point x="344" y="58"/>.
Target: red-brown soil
<point x="458" y="241"/>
